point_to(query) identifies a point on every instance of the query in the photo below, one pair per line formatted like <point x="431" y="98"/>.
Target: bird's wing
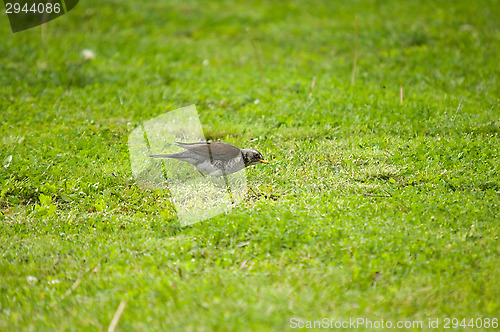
<point x="215" y="151"/>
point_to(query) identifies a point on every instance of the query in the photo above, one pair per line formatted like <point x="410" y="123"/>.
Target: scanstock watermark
<point x="328" y="323"/>
<point x="365" y="323"/>
<point x="26" y="14"/>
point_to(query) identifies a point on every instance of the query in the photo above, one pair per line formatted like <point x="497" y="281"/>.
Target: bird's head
<point x="252" y="157"/>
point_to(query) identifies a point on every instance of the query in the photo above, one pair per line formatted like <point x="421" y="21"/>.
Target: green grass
<point x="310" y="241"/>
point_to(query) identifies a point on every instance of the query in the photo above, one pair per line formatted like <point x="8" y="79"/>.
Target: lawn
<point x="381" y="123"/>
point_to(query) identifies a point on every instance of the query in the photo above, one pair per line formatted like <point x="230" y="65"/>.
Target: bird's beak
<point x="264" y="161"/>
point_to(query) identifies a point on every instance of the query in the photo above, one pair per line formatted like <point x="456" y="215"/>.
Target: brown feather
<point x="214" y="151"/>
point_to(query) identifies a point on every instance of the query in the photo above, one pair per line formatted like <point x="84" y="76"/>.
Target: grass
<point x="313" y="239"/>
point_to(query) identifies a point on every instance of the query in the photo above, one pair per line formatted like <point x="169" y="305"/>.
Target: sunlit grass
<point x="371" y="207"/>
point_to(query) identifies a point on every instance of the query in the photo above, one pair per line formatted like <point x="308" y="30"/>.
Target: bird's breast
<point x="221" y="167"/>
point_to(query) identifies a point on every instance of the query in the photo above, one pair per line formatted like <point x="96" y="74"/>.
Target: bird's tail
<point x="181" y="144"/>
<point x="162" y="156"/>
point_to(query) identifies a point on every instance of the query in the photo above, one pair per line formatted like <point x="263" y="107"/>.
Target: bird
<point x="215" y="158"/>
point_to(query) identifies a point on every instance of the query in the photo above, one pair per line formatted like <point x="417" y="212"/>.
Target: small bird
<point x="215" y="159"/>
